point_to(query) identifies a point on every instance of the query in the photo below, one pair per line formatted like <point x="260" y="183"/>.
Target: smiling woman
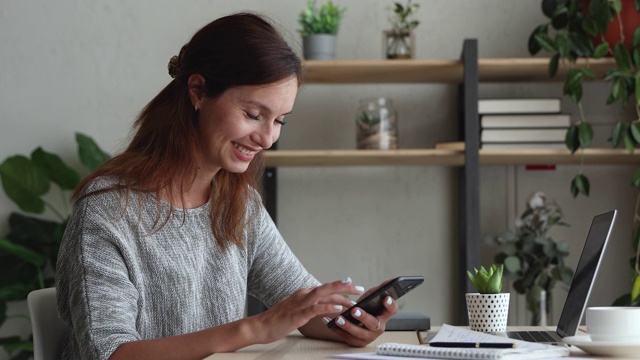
<point x="168" y="238"/>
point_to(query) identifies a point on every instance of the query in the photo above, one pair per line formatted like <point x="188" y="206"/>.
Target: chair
<point x="48" y="330"/>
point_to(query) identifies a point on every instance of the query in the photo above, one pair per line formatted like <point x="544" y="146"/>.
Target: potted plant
<point x="400" y="40"/>
<point x="319" y="27"/>
<point x="488" y="309"/>
<point x="533" y="260"/>
<point x="28" y="252"/>
<point x="592" y="29"/>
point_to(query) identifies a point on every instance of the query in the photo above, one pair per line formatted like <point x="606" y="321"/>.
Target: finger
<point x="391" y="307"/>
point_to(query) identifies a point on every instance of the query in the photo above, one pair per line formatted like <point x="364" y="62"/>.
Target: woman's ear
<point x="195" y="86"/>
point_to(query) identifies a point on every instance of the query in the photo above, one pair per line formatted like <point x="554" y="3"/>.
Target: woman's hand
<point x="371" y="327"/>
<point x="297" y="309"/>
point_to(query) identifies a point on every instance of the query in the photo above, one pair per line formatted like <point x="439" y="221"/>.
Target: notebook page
<point x="450" y="333"/>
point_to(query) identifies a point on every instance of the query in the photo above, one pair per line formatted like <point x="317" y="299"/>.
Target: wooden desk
<point x="296" y="346"/>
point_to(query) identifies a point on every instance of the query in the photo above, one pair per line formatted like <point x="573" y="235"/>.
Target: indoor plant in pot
<point x="533" y="260"/>
<point x="399" y="42"/>
<point x="29" y="251"/>
<point x="588" y="29"/>
<point x="319" y="28"/>
<point x="488" y="309"/>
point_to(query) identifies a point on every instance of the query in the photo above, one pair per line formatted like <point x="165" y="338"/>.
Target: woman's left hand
<point x="371" y="327"/>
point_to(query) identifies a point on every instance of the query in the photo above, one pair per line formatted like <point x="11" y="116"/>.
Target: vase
<point x="399" y="44"/>
<point x="319" y="47"/>
<point x="539" y="303"/>
<point x="488" y="313"/>
<point x="630" y="19"/>
<point x="376" y="124"/>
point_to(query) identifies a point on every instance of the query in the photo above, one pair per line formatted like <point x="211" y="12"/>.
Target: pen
<point x="473" y="345"/>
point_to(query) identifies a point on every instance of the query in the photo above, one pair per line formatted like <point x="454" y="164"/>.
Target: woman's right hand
<point x="297" y="309"/>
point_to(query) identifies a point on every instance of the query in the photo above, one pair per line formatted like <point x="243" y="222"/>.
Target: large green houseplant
<point x="28" y="252"/>
<point x="593" y="29"/>
<point x="533" y="260"/>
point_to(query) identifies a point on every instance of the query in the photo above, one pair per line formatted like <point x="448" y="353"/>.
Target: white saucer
<point x="604" y="348"/>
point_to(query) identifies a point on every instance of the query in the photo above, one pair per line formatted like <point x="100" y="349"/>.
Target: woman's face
<point x="241" y="122"/>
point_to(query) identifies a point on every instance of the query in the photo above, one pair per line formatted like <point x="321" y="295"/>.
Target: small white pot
<point x="488" y="312"/>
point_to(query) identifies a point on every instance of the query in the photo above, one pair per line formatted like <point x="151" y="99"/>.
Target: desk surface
<point x="296" y="346"/>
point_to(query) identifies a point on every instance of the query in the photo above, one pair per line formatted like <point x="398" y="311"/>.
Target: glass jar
<point x="399" y="44"/>
<point x="376" y="124"/>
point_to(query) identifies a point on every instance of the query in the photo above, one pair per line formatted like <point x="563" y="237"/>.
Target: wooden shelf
<point x="438" y="71"/>
<point x="438" y="157"/>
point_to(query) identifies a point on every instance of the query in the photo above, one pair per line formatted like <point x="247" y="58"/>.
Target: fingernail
<point x="359" y="288"/>
<point x="357" y="313"/>
<point x="325" y="320"/>
<point x="340" y="321"/>
<point x="337" y="307"/>
<point x="389" y="300"/>
<point x="346" y="280"/>
<point x="353" y="302"/>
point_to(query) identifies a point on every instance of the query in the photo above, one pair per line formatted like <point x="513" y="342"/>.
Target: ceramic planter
<point x="319" y="47"/>
<point x="488" y="312"/>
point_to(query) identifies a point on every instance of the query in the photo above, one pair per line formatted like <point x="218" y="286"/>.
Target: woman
<point x="167" y="238"/>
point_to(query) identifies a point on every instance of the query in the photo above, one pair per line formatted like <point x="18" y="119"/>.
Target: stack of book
<point x="522" y="123"/>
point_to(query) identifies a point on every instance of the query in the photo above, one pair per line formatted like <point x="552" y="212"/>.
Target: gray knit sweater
<point x="119" y="281"/>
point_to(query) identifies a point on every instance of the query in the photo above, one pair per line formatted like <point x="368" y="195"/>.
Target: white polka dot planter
<point x="488" y="312"/>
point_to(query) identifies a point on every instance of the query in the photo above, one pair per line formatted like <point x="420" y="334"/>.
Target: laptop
<point x="581" y="284"/>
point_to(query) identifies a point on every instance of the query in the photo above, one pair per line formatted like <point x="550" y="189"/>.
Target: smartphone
<point x="373" y="305"/>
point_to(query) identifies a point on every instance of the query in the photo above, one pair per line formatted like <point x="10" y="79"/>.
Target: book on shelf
<point x="522" y="145"/>
<point x="519" y="106"/>
<point x="523" y="135"/>
<point x="508" y="121"/>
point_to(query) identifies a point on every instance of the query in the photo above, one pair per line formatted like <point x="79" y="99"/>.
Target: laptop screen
<point x="585" y="273"/>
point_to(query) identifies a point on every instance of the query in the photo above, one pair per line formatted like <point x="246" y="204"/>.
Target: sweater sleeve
<point x="275" y="272"/>
<point x="95" y="296"/>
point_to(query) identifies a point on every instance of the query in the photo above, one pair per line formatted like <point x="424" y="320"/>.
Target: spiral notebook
<point x="448" y="333"/>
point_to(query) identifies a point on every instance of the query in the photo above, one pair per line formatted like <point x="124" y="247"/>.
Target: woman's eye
<point x="281" y="121"/>
<point x="252" y="117"/>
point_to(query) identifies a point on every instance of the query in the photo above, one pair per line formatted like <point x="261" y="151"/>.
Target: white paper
<point x="450" y="333"/>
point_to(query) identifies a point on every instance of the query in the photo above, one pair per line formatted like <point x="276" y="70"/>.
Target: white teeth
<point x="244" y="150"/>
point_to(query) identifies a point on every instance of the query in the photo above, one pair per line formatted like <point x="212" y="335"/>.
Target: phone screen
<point x="373" y="305"/>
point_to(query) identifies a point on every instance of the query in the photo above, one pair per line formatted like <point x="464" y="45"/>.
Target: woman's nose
<point x="267" y="135"/>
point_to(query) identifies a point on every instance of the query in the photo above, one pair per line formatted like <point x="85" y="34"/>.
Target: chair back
<point x="48" y="330"/>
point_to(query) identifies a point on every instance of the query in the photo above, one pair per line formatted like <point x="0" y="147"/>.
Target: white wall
<point x="90" y="66"/>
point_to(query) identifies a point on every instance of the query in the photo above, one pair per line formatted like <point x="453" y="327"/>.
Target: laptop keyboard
<point x="535" y="336"/>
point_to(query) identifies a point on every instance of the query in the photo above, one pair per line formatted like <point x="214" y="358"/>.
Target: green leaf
<point x="585" y="134"/>
<point x="61" y="174"/>
<point x="622" y="56"/>
<point x="628" y="143"/>
<point x="89" y="152"/>
<point x="635" y="131"/>
<point x="635" y="290"/>
<point x="635" y="39"/>
<point x="532" y="44"/>
<point x="554" y="62"/>
<point x="545" y="42"/>
<point x="563" y="44"/>
<point x="635" y="180"/>
<point x="24" y="183"/>
<point x="22" y="252"/>
<point x="571" y="139"/>
<point x="601" y="50"/>
<point x="637" y="86"/>
<point x="573" y="84"/>
<point x="580" y="185"/>
<point x="513" y="264"/>
<point x="617" y="134"/>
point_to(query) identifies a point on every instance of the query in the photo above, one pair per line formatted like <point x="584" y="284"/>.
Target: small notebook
<point x="448" y="333"/>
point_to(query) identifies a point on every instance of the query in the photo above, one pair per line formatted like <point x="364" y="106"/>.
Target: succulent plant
<point x="487" y="281"/>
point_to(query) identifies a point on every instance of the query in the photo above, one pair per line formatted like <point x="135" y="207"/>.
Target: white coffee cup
<point x="613" y="323"/>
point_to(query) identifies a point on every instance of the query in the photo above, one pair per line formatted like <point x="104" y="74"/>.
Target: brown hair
<point x="236" y="50"/>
